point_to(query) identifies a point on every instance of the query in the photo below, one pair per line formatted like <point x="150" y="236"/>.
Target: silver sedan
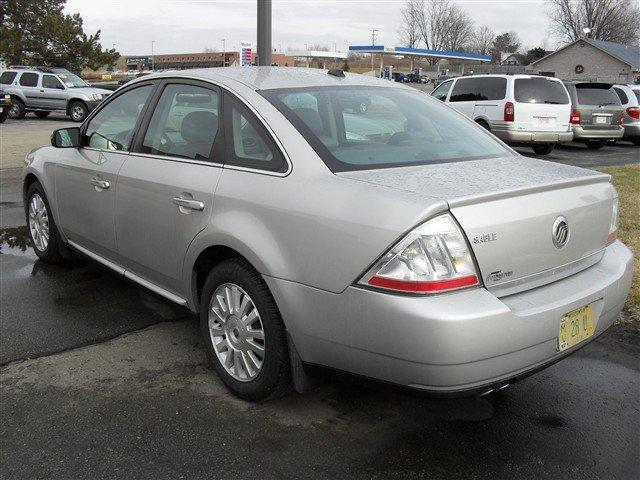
<point x="401" y="243"/>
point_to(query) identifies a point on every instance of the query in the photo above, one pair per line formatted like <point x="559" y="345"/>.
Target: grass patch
<point x="627" y="182"/>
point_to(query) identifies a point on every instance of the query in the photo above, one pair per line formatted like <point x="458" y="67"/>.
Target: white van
<point x="518" y="109"/>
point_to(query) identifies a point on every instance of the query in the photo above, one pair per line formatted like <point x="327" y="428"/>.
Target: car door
<point x="53" y="93"/>
<point x="86" y="177"/>
<point x="463" y="95"/>
<point x="28" y="83"/>
<point x="491" y="93"/>
<point x="166" y="186"/>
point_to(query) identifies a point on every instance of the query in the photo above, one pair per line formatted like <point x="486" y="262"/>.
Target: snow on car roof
<point x="267" y="78"/>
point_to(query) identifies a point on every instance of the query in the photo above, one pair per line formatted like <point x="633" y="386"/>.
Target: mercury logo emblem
<point x="560" y="232"/>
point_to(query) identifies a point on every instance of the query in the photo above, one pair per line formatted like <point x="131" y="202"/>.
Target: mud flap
<point x="302" y="382"/>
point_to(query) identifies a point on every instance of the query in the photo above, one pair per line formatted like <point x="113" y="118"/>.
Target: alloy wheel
<point x="236" y="331"/>
<point x="77" y="113"/>
<point x="39" y="222"/>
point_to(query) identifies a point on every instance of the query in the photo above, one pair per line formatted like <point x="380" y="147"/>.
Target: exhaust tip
<point x="495" y="388"/>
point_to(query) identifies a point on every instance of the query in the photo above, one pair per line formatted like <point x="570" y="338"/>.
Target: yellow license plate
<point x="576" y="326"/>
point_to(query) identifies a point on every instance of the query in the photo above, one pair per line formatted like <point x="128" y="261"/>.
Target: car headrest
<point x="199" y="127"/>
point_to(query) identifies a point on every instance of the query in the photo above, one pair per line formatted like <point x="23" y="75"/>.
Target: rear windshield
<point x="540" y="90"/>
<point x="361" y="128"/>
<point x="637" y="92"/>
<point x="596" y="96"/>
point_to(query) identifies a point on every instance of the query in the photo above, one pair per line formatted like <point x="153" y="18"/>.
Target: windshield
<point x="540" y="90"/>
<point x="361" y="128"/>
<point x="72" y="81"/>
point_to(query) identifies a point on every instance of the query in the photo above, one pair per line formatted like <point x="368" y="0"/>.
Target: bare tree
<point x="459" y="28"/>
<point x="482" y="40"/>
<point x="612" y="20"/>
<point x="409" y="31"/>
<point x="442" y="25"/>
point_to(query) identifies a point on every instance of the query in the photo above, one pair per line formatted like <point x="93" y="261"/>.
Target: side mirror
<point x="66" y="137"/>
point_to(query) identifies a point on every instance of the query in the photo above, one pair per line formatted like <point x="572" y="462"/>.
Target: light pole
<point x="152" y="55"/>
<point x="224" y="52"/>
<point x="264" y="32"/>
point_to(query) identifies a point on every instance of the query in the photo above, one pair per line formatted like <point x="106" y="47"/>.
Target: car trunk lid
<point x="508" y="207"/>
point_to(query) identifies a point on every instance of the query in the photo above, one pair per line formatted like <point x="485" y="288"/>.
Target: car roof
<point x="267" y="78"/>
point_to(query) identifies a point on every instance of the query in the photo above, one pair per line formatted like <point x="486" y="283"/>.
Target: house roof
<point x="629" y="54"/>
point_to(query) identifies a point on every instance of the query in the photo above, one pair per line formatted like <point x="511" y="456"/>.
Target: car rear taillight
<point x="432" y="258"/>
<point x="634" y="112"/>
<point x="508" y="112"/>
<point x="574" y="119"/>
<point x="613" y="228"/>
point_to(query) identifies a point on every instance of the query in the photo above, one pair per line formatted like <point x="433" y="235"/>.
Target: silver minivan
<point x="404" y="244"/>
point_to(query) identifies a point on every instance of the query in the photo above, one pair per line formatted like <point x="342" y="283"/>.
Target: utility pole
<point x="153" y="61"/>
<point x="373" y="42"/>
<point x="264" y="32"/>
<point x="224" y="52"/>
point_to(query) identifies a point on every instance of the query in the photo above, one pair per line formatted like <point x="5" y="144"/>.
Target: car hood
<point x="90" y="90"/>
<point x="469" y="181"/>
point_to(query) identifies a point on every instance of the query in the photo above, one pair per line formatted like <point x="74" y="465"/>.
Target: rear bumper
<point x="516" y="136"/>
<point x="455" y="343"/>
<point x="586" y="133"/>
<point x="632" y="130"/>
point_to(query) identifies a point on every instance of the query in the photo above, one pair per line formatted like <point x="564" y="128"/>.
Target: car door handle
<point x="103" y="184"/>
<point x="187" y="203"/>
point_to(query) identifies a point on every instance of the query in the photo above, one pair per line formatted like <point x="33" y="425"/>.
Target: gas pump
<point x="388" y="72"/>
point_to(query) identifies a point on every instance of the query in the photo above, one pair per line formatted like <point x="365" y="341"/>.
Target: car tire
<point x="232" y="337"/>
<point x="17" y="111"/>
<point x="484" y="125"/>
<point x="41" y="226"/>
<point x="78" y="111"/>
<point x="595" y="144"/>
<point x="543" y="148"/>
<point x="42" y="114"/>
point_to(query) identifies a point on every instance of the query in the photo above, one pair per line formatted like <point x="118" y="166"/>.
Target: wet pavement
<point x="101" y="379"/>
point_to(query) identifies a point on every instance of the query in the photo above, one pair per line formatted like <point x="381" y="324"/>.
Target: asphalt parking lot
<point x="102" y="379"/>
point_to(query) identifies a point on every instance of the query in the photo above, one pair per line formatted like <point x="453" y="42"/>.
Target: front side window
<point x="50" y="81"/>
<point x="7" y="77"/>
<point x="399" y="128"/>
<point x="113" y="126"/>
<point x="540" y="90"/>
<point x="443" y="89"/>
<point x="184" y="123"/>
<point x="250" y="144"/>
<point x="29" y="79"/>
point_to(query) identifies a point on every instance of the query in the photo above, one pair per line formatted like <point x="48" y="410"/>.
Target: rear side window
<point x="113" y="126"/>
<point x="7" y="77"/>
<point x="464" y="90"/>
<point x="28" y="79"/>
<point x="479" y="88"/>
<point x="621" y="95"/>
<point x="596" y="96"/>
<point x="540" y="90"/>
<point x="251" y="146"/>
<point x="184" y="123"/>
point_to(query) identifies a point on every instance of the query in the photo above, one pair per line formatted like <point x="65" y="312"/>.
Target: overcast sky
<point x="191" y="26"/>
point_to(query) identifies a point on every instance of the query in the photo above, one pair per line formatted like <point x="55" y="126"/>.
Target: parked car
<point x="42" y="90"/>
<point x="630" y="100"/>
<point x="400" y="77"/>
<point x="518" y="109"/>
<point x="5" y="105"/>
<point x="435" y="258"/>
<point x="596" y="113"/>
<point x="413" y="77"/>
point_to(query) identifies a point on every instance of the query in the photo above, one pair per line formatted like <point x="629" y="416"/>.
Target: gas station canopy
<point x="419" y="52"/>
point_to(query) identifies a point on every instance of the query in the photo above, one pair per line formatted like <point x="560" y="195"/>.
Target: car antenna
<point x="336" y="72"/>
